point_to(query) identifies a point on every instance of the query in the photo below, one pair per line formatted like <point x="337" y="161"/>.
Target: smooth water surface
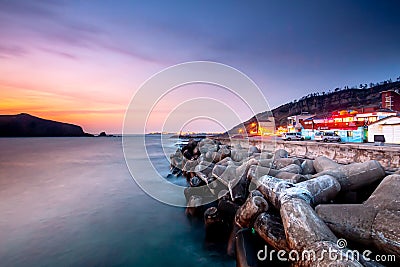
<point x="72" y="202"/>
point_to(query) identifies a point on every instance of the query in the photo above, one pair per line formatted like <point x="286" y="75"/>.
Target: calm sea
<point x="72" y="202"/>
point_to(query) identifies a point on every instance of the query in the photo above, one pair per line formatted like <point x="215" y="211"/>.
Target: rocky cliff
<point x="326" y="103"/>
<point x="25" y="125"/>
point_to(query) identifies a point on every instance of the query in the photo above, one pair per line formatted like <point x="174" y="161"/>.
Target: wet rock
<point x="226" y="175"/>
<point x="244" y="168"/>
<point x="253" y="149"/>
<point x="315" y="191"/>
<point x="323" y="163"/>
<point x="254" y="193"/>
<point x="356" y="175"/>
<point x="239" y="192"/>
<point x="266" y="163"/>
<point x="201" y="191"/>
<point x="195" y="181"/>
<point x="188" y="150"/>
<point x="291" y="187"/>
<point x="375" y="222"/>
<point x="176" y="160"/>
<point x="228" y="210"/>
<point x="291" y="177"/>
<point x="204" y="167"/>
<point x="190" y="165"/>
<point x="231" y="247"/>
<point x="280" y="153"/>
<point x="387" y="194"/>
<point x="307" y="167"/>
<point x="269" y="227"/>
<point x="239" y="155"/>
<point x="207" y="145"/>
<point x="256" y="172"/>
<point x="266" y="155"/>
<point x="305" y="231"/>
<point x="215" y="228"/>
<point x="247" y="247"/>
<point x="249" y="211"/>
<point x="194" y="206"/>
<point x="283" y="162"/>
<point x="360" y="174"/>
<point x="225" y="152"/>
<point x="293" y="168"/>
<point x="321" y="189"/>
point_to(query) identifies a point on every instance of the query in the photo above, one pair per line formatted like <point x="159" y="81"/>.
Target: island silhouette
<point x="26" y="125"/>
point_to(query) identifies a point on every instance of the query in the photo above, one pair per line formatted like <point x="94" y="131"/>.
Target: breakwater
<point x="253" y="198"/>
<point x="343" y="153"/>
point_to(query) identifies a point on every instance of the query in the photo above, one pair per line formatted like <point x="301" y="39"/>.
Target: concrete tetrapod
<point x="246" y="215"/>
<point x="375" y="222"/>
<point x="256" y="172"/>
<point x="304" y="230"/>
<point x="352" y="176"/>
<point x="270" y="228"/>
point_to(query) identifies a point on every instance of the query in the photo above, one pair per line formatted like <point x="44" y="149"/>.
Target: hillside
<point x="25" y="125"/>
<point x="349" y="98"/>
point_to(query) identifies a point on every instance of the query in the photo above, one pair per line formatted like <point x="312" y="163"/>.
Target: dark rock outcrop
<point x="25" y="125"/>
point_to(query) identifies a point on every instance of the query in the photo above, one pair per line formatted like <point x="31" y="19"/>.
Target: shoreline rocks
<point x="296" y="204"/>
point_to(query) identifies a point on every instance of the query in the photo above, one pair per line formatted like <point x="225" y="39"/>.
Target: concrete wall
<point x="388" y="156"/>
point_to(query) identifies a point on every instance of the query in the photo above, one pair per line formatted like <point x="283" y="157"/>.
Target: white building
<point x="294" y="122"/>
<point x="388" y="127"/>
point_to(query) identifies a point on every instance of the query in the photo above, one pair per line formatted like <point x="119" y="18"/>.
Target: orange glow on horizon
<point x="92" y="117"/>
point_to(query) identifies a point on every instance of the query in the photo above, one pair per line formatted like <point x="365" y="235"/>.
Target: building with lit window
<point x="391" y="100"/>
<point x="350" y="125"/>
<point x="294" y="122"/>
<point x="266" y="126"/>
<point x="262" y="126"/>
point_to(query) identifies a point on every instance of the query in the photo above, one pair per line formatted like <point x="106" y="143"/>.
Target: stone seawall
<point x="343" y="153"/>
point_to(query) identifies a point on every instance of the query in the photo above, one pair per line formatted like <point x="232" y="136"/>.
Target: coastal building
<point x="343" y="123"/>
<point x="391" y="100"/>
<point x="353" y="125"/>
<point x="294" y="122"/>
<point x="266" y="126"/>
<point x="388" y="127"/>
<point x="350" y="125"/>
<point x="262" y="126"/>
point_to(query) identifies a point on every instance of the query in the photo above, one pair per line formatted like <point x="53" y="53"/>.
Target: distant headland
<point x="26" y="125"/>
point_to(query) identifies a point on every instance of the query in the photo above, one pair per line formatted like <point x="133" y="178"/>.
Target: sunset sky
<point x="82" y="61"/>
